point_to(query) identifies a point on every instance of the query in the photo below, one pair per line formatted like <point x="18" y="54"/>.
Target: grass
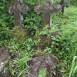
<point x="66" y="51"/>
<point x="67" y="24"/>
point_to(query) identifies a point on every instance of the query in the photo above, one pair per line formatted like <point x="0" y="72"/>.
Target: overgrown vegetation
<point x="23" y="46"/>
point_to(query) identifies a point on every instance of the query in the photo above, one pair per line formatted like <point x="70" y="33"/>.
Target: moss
<point x="19" y="33"/>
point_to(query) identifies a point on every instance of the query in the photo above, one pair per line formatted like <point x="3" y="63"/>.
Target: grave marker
<point x="18" y="9"/>
<point x="47" y="9"/>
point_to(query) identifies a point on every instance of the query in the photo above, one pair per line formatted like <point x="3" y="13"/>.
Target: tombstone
<point x="18" y="9"/>
<point x="43" y="62"/>
<point x="47" y="9"/>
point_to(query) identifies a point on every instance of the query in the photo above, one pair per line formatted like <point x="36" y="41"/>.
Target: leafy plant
<point x="42" y="73"/>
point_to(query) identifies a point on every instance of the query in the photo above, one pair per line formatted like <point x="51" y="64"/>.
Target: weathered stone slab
<point x="43" y="62"/>
<point x="4" y="57"/>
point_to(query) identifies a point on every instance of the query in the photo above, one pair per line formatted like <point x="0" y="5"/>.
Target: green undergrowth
<point x="64" y="45"/>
